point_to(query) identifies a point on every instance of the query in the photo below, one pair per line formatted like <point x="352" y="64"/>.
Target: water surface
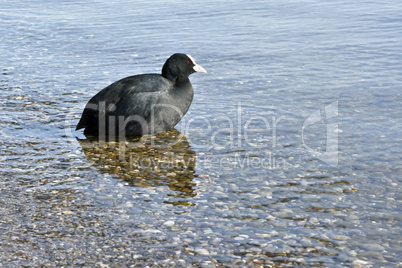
<point x="289" y="155"/>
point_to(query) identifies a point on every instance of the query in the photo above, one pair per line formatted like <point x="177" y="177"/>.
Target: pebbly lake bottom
<point x="250" y="186"/>
<point x="158" y="202"/>
<point x="214" y="192"/>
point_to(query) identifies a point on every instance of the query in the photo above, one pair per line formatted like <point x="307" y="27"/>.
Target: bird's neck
<point x="182" y="81"/>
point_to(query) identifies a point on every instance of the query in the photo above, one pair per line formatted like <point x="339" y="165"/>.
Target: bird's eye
<point x="188" y="62"/>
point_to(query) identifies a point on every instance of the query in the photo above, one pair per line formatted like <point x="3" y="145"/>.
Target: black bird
<point x="142" y="104"/>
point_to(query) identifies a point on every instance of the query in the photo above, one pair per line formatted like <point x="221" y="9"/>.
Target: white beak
<point x="199" y="69"/>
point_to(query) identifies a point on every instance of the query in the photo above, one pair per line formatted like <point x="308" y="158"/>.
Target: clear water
<point x="290" y="154"/>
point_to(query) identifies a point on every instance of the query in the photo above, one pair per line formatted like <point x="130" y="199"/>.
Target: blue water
<point x="290" y="154"/>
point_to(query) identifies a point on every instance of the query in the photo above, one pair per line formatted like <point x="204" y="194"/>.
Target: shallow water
<point x="290" y="154"/>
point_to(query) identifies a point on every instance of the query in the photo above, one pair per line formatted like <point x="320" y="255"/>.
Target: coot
<point x="142" y="104"/>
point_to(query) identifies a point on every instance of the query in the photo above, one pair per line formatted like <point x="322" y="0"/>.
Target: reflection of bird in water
<point x="162" y="160"/>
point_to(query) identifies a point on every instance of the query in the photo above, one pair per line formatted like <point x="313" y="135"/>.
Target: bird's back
<point x="136" y="102"/>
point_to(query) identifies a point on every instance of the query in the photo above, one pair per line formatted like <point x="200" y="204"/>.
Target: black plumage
<point x="142" y="104"/>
